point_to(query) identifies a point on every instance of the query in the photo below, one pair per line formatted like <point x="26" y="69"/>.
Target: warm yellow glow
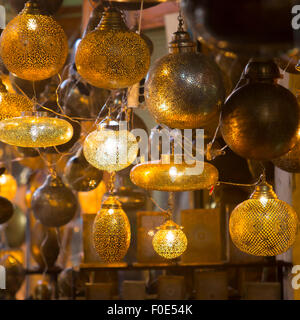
<point x="111" y="231"/>
<point x="8" y="186"/>
<point x="110" y="150"/>
<point x="156" y="175"/>
<point x="263" y="226"/>
<point x="170" y="242"/>
<point x="90" y="201"/>
<point x="112" y="56"/>
<point x="33" y="46"/>
<point x="35" y="131"/>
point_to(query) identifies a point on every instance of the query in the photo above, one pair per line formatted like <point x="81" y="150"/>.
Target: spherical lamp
<point x="112" y="56"/>
<point x="263" y="225"/>
<point x="110" y="148"/>
<point x="33" y="45"/>
<point x="169" y="241"/>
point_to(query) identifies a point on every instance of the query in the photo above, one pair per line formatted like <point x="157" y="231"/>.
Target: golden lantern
<point x="111" y="231"/>
<point x="184" y="89"/>
<point x="90" y="201"/>
<point x="33" y="45"/>
<point x="12" y="104"/>
<point x="8" y="186"/>
<point x="42" y="290"/>
<point x="169" y="241"/>
<point x="263" y="225"/>
<point x="112" y="56"/>
<point x="35" y="130"/>
<point x="157" y="175"/>
<point x="110" y="148"/>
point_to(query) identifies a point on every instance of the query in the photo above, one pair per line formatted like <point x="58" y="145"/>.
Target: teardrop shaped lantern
<point x="169" y="241"/>
<point x="35" y="130"/>
<point x="260" y="119"/>
<point x="162" y="176"/>
<point x="110" y="147"/>
<point x="33" y="45"/>
<point x="12" y="104"/>
<point x="54" y="204"/>
<point x="111" y="231"/>
<point x="112" y="56"/>
<point x="184" y="89"/>
<point x="263" y="225"/>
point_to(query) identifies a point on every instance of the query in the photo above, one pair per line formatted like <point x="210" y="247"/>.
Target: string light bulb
<point x="263" y="225"/>
<point x="111" y="231"/>
<point x="33" y="45"/>
<point x="12" y="104"/>
<point x="110" y="147"/>
<point x="35" y="130"/>
<point x="170" y="241"/>
<point x="112" y="56"/>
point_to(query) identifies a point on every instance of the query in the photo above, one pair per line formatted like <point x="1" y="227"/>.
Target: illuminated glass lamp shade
<point x="8" y="186"/>
<point x="33" y="45"/>
<point x="156" y="175"/>
<point x="12" y="104"/>
<point x="112" y="56"/>
<point x="35" y="130"/>
<point x="111" y="231"/>
<point x="109" y="148"/>
<point x="169" y="241"/>
<point x="263" y="225"/>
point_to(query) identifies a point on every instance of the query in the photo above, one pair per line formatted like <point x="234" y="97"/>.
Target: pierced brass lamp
<point x="110" y="148"/>
<point x="156" y="175"/>
<point x="263" y="225"/>
<point x="35" y="130"/>
<point x="112" y="56"/>
<point x="169" y="241"/>
<point x="33" y="45"/>
<point x="111" y="231"/>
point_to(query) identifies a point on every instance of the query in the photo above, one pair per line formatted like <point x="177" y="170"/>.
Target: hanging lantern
<point x="6" y="210"/>
<point x="263" y="225"/>
<point x="80" y="175"/>
<point x="50" y="6"/>
<point x="12" y="104"/>
<point x="169" y="241"/>
<point x="35" y="130"/>
<point x="260" y="119"/>
<point x="184" y="89"/>
<point x="8" y="186"/>
<point x="42" y="291"/>
<point x="90" y="201"/>
<point x="111" y="231"/>
<point x="131" y="4"/>
<point x="44" y="246"/>
<point x="112" y="56"/>
<point x="33" y="45"/>
<point x="157" y="175"/>
<point x="110" y="148"/>
<point x="53" y="204"/>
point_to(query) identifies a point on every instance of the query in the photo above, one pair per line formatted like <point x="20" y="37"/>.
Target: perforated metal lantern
<point x="169" y="241"/>
<point x="263" y="225"/>
<point x="33" y="45"/>
<point x="35" y="129"/>
<point x="111" y="231"/>
<point x="184" y="89"/>
<point x="112" y="56"/>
